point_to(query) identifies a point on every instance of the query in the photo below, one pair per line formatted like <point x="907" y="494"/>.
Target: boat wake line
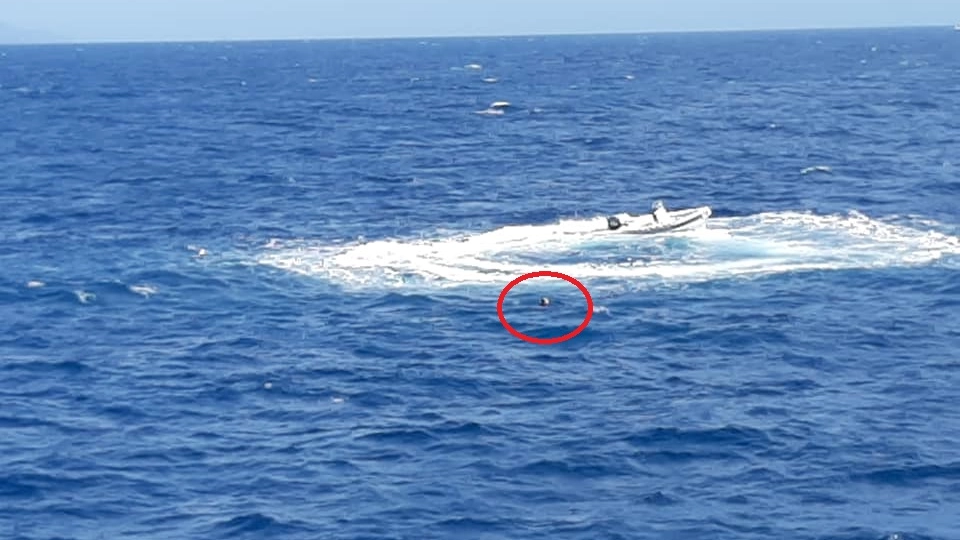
<point x="750" y="246"/>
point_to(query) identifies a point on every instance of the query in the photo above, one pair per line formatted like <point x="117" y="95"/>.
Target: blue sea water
<point x="250" y="290"/>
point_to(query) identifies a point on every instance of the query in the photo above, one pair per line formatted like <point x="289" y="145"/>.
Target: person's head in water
<point x="544" y="301"/>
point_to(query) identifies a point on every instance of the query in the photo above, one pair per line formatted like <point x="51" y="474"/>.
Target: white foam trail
<point x="729" y="247"/>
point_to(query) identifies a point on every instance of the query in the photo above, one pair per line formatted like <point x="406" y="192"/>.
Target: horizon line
<point x="175" y="41"/>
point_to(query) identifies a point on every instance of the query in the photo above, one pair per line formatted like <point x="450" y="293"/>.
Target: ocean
<point x="250" y="289"/>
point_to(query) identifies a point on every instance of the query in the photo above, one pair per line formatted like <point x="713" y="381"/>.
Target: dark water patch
<point x="909" y="476"/>
<point x="256" y="525"/>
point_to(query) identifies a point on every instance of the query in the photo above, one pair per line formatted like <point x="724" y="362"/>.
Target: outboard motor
<point x="613" y="223"/>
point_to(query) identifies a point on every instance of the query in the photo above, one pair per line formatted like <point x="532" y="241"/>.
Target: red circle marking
<point x="545" y="341"/>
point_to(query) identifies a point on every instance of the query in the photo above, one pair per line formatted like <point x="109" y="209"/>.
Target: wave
<point x="756" y="245"/>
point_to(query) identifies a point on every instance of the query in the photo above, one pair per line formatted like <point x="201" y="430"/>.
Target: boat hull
<point x="675" y="220"/>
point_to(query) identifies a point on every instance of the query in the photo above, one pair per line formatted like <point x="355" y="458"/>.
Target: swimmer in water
<point x="544" y="301"/>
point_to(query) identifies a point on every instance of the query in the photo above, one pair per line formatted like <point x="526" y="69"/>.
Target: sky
<point x="202" y="20"/>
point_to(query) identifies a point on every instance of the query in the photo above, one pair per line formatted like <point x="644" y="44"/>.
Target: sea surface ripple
<point x="249" y="290"/>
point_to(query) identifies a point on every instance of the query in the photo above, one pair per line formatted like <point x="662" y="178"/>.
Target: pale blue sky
<point x="162" y="20"/>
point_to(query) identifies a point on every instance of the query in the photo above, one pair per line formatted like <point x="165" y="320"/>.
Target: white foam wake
<point x="729" y="247"/>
